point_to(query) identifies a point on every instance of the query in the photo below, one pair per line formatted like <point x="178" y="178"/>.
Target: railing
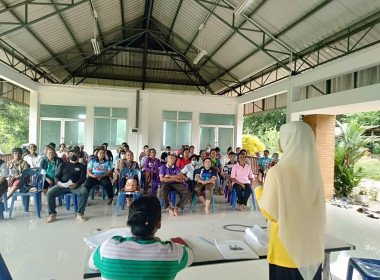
<point x="6" y="157"/>
<point x="254" y="164"/>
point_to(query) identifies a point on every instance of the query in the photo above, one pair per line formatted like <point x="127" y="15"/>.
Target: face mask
<point x="122" y="156"/>
<point x="168" y="152"/>
<point x="208" y="150"/>
<point x="194" y="162"/>
<point x="73" y="158"/>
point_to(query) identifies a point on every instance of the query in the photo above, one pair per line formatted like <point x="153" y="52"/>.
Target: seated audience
<point x="16" y="167"/>
<point x="151" y="257"/>
<point x="50" y="163"/>
<point x="117" y="156"/>
<point x="185" y="159"/>
<point x="129" y="163"/>
<point x="215" y="163"/>
<point x="246" y="159"/>
<point x="52" y="145"/>
<point x="107" y="153"/>
<point x="241" y="176"/>
<point x="188" y="172"/>
<point x="171" y="180"/>
<point x="205" y="177"/>
<point x="144" y="158"/>
<point x="227" y="170"/>
<point x="3" y="179"/>
<point x="143" y="153"/>
<point x="218" y="153"/>
<point x="264" y="163"/>
<point x="83" y="156"/>
<point x="191" y="150"/>
<point x="68" y="171"/>
<point x="32" y="158"/>
<point x="165" y="154"/>
<point x="150" y="163"/>
<point x="99" y="171"/>
<point x="202" y="156"/>
<point x="61" y="150"/>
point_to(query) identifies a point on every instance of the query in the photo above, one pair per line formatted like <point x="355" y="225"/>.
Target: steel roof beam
<point x="68" y="29"/>
<point x="122" y="18"/>
<point x="208" y="57"/>
<point x="147" y="15"/>
<point x="174" y="20"/>
<point x="133" y="38"/>
<point x="139" y="67"/>
<point x="178" y="65"/>
<point x="35" y="36"/>
<point x="29" y="23"/>
<point x="302" y="18"/>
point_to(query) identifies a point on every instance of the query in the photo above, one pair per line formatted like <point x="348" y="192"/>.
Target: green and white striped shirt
<point x="131" y="258"/>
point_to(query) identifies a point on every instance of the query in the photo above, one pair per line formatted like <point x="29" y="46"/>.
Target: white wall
<point x="91" y="97"/>
<point x="152" y="104"/>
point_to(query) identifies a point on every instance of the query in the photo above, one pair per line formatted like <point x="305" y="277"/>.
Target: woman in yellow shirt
<point x="292" y="199"/>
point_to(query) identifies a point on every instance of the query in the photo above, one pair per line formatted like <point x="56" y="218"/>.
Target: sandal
<point x="360" y="210"/>
<point x="372" y="216"/>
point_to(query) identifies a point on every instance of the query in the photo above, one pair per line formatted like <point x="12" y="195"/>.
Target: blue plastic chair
<point x="74" y="197"/>
<point x="93" y="192"/>
<point x="36" y="178"/>
<point x="4" y="272"/>
<point x="1" y="212"/>
<point x="127" y="173"/>
<point x="369" y="269"/>
<point x="5" y="202"/>
<point x="234" y="199"/>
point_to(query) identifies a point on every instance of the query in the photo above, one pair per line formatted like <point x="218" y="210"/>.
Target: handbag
<point x="131" y="186"/>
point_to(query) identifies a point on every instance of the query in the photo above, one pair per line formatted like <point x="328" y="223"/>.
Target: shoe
<point x="372" y="216"/>
<point x="81" y="218"/>
<point x="51" y="218"/>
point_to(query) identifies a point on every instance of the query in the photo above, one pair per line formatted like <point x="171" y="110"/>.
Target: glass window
<point x="56" y="111"/>
<point x="74" y="132"/>
<point x="110" y="126"/>
<point x="188" y="116"/>
<point x="170" y="115"/>
<point x="50" y="132"/>
<point x="176" y="128"/>
<point x="217" y="119"/>
<point x="102" y="112"/>
<point x="119" y="112"/>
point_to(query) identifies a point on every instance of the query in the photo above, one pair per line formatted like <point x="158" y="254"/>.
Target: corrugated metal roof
<point x="231" y="49"/>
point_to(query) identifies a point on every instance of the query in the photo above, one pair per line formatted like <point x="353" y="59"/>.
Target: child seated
<point x="142" y="256"/>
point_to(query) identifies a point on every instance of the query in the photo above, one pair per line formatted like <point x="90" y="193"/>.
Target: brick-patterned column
<point x="324" y="130"/>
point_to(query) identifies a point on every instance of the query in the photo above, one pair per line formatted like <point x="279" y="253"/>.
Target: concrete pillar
<point x="324" y="130"/>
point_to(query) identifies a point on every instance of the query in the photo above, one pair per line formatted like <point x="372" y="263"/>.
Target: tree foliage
<point x="14" y="125"/>
<point x="258" y="124"/>
<point x="270" y="140"/>
<point x="350" y="147"/>
<point x="252" y="144"/>
<point x="366" y="119"/>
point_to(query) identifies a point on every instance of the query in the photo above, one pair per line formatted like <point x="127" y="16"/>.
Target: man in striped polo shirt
<point x="141" y="256"/>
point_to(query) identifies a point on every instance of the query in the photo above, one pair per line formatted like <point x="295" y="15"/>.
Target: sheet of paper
<point x="97" y="239"/>
<point x="235" y="249"/>
<point x="67" y="184"/>
<point x="259" y="235"/>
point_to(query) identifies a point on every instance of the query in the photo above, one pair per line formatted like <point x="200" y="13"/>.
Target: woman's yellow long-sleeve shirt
<point x="277" y="254"/>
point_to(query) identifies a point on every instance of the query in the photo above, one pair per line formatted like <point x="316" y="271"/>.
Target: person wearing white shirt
<point x="33" y="159"/>
<point x="188" y="172"/>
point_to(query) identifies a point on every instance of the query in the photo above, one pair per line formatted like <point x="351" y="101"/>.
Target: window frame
<point x="177" y="120"/>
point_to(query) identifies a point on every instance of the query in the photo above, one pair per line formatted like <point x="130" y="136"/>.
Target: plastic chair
<point x="369" y="269"/>
<point x="36" y="178"/>
<point x="1" y="212"/>
<point x="93" y="193"/>
<point x="5" y="201"/>
<point x="122" y="195"/>
<point x="4" y="272"/>
<point x="234" y="199"/>
<point x="155" y="181"/>
<point x="74" y="197"/>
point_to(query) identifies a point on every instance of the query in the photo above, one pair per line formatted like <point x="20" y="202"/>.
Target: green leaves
<point x="14" y="125"/>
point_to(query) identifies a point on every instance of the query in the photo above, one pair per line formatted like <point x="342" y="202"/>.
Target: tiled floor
<point x="35" y="250"/>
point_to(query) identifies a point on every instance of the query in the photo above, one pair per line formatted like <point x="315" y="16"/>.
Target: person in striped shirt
<point x="142" y="256"/>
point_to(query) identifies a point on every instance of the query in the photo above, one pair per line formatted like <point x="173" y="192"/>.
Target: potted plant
<point x="362" y="195"/>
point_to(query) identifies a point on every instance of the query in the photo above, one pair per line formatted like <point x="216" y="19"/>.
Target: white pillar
<point x="34" y="118"/>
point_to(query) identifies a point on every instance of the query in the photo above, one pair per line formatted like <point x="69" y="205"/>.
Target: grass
<point x="371" y="168"/>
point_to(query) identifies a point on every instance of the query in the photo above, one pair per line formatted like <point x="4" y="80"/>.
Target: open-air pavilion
<point x="172" y="72"/>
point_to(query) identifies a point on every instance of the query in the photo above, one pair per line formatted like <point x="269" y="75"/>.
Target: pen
<point x="205" y="241"/>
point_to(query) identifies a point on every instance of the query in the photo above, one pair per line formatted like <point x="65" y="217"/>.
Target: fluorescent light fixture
<point x="243" y="6"/>
<point x="199" y="56"/>
<point x="95" y="46"/>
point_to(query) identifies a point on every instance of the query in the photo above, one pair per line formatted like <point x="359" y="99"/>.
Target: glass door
<point x="217" y="136"/>
<point x="70" y="132"/>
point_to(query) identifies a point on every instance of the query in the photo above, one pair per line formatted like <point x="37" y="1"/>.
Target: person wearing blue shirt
<point x="99" y="171"/>
<point x="264" y="163"/>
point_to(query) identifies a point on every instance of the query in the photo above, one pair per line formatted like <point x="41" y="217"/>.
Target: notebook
<point x="235" y="249"/>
